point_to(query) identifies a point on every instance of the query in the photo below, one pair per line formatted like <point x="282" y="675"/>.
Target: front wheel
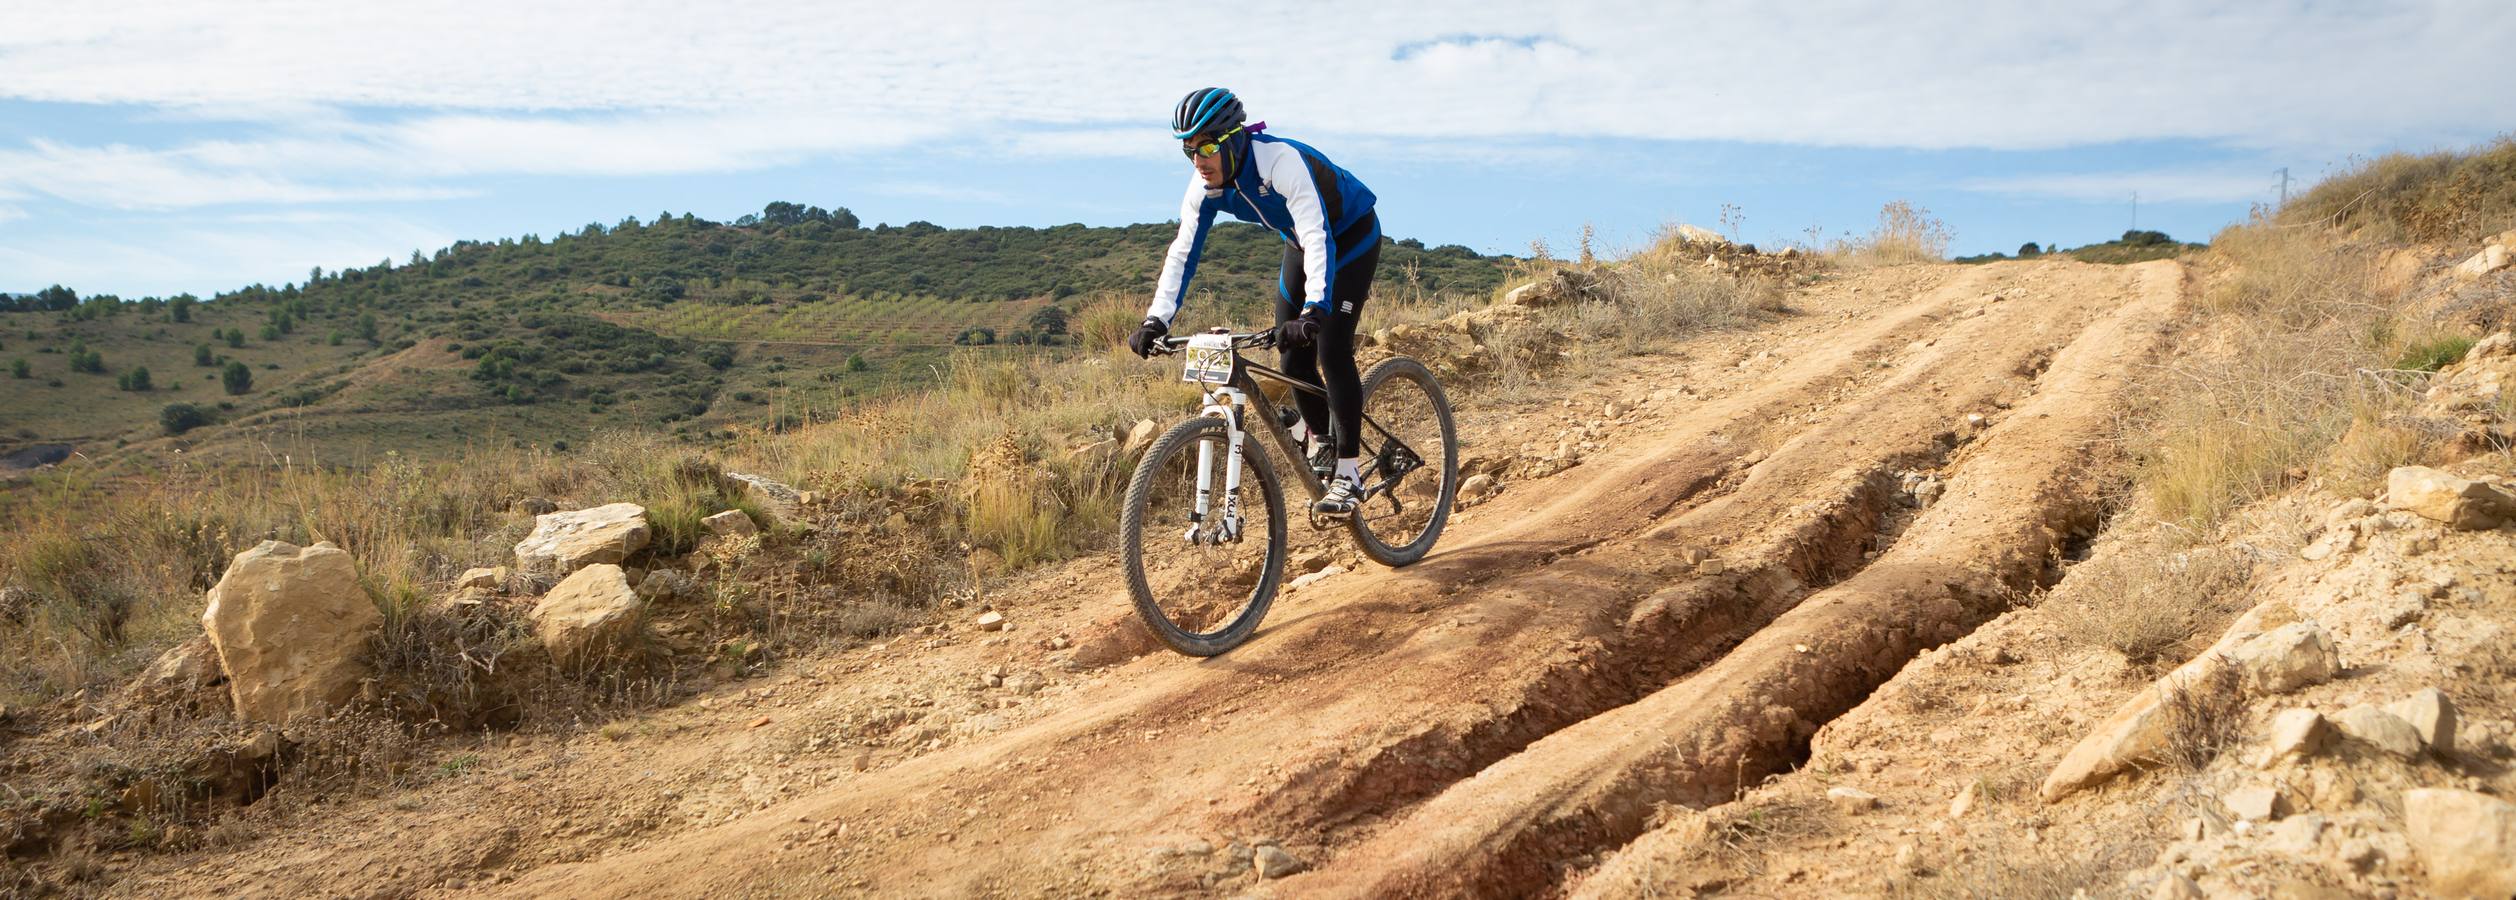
<point x="1410" y="463"/>
<point x="1202" y="582"/>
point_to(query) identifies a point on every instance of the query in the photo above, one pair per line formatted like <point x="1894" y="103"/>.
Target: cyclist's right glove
<point x="1146" y="334"/>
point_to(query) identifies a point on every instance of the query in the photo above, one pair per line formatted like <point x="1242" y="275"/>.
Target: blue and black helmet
<point x="1206" y="111"/>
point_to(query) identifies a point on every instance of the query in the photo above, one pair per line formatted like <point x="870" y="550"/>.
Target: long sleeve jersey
<point x="1289" y="187"/>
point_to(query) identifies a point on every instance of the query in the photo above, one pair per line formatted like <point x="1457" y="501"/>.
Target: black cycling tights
<point x="1329" y="361"/>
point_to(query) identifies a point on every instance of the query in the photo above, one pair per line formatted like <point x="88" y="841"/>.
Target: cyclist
<point x="1331" y="248"/>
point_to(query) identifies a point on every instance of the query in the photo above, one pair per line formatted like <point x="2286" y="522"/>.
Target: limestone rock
<point x="2430" y="715"/>
<point x="2467" y="840"/>
<point x="1273" y="862"/>
<point x="2491" y="259"/>
<point x="991" y="620"/>
<point x="731" y="523"/>
<point x="1697" y="234"/>
<point x="2287" y="658"/>
<point x="564" y="542"/>
<point x="2298" y="733"/>
<point x="778" y="501"/>
<point x="1140" y="437"/>
<point x="1025" y="682"/>
<point x="2381" y="729"/>
<point x="2175" y="886"/>
<point x="184" y="668"/>
<point x="2461" y="503"/>
<point x="1967" y="799"/>
<point x="590" y="616"/>
<point x="2255" y="803"/>
<point x="291" y="627"/>
<point x="664" y="585"/>
<point x="1480" y="487"/>
<point x="485" y="579"/>
<point x="1851" y="799"/>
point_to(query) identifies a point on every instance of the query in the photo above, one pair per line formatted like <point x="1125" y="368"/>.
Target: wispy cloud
<point x="2157" y="186"/>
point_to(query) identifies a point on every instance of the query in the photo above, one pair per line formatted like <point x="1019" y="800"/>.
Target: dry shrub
<point x="1104" y="321"/>
<point x="1905" y="234"/>
<point x="2204" y="715"/>
<point x="2449" y="197"/>
<point x="2012" y="868"/>
<point x="2304" y="347"/>
<point x="2147" y="604"/>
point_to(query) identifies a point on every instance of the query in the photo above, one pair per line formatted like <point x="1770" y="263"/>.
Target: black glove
<point x="1300" y="330"/>
<point x="1146" y="334"/>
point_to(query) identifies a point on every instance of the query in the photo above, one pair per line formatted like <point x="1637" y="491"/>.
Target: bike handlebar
<point x="1241" y="340"/>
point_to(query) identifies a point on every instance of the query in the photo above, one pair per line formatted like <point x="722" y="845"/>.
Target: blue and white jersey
<point x="1287" y="186"/>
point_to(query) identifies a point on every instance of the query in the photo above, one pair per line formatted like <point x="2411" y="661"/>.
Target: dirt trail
<point x="1359" y="703"/>
<point x="1744" y="559"/>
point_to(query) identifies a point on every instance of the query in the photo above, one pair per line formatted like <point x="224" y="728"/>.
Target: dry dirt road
<point x="1776" y="521"/>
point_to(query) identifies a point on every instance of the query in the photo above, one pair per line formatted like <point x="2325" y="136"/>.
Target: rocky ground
<point x="1773" y="614"/>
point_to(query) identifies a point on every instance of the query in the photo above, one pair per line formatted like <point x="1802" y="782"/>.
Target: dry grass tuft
<point x="2205" y="715"/>
<point x="2147" y="603"/>
<point x="1905" y="234"/>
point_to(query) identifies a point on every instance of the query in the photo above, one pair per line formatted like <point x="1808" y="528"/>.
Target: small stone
<point x="2467" y="840"/>
<point x="2195" y="829"/>
<point x="485" y="579"/>
<point x="2295" y="835"/>
<point x="1480" y="487"/>
<point x="2431" y="715"/>
<point x="1966" y="800"/>
<point x="1908" y="858"/>
<point x="1711" y="566"/>
<point x="1851" y="800"/>
<point x="2255" y="802"/>
<point x="1273" y="862"/>
<point x="2297" y="733"/>
<point x="2176" y="887"/>
<point x="2381" y="729"/>
<point x="991" y="620"/>
<point x="1025" y="682"/>
<point x="731" y="523"/>
<point x="1140" y="437"/>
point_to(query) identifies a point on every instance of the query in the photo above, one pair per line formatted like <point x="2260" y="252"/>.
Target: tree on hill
<point x="19" y="369"/>
<point x="236" y="378"/>
<point x="180" y="307"/>
<point x="202" y="357"/>
<point x="137" y="379"/>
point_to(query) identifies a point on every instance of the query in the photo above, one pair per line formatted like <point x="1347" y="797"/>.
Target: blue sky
<point x="154" y="148"/>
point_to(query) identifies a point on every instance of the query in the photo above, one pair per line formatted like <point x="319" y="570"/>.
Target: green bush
<point x="177" y="418"/>
<point x="236" y="378"/>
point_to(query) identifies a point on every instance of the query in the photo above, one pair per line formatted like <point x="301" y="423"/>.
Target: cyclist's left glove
<point x="1300" y="330"/>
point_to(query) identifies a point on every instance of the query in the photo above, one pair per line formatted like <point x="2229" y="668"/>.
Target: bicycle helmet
<point x="1206" y="111"/>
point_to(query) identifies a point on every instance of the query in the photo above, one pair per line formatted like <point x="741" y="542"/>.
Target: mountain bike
<point x="1204" y="529"/>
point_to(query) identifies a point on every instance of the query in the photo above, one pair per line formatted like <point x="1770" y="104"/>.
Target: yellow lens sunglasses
<point x="1208" y="148"/>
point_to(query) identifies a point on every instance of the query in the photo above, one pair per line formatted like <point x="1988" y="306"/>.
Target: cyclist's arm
<point x="1179" y="264"/>
<point x="1292" y="176"/>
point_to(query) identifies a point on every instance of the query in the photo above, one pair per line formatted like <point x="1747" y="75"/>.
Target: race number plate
<point x="1209" y="359"/>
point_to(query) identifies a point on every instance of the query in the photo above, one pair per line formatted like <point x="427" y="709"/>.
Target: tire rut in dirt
<point x="1805" y="516"/>
<point x="1593" y="786"/>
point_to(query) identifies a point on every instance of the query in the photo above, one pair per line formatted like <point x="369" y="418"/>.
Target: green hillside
<point x="680" y="324"/>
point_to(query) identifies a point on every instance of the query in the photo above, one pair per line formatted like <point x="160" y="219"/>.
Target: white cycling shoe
<point x="1344" y="494"/>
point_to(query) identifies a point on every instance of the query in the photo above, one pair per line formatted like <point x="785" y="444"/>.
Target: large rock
<point x="590" y="617"/>
<point x="2287" y="658"/>
<point x="2459" y="502"/>
<point x="563" y="542"/>
<point x="2467" y="840"/>
<point x="291" y="627"/>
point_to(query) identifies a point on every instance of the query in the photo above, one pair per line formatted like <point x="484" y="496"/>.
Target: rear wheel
<point x="1200" y="584"/>
<point x="1410" y="463"/>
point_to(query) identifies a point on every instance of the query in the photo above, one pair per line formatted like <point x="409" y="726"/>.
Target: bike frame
<point x="1228" y="401"/>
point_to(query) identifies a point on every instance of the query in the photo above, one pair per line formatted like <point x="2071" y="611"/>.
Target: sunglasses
<point x="1210" y="147"/>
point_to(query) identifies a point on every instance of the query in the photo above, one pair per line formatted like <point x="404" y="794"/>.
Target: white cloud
<point x="2166" y="186"/>
<point x="1834" y="72"/>
<point x="123" y="177"/>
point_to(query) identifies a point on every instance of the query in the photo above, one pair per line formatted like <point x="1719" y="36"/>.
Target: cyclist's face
<point x="1209" y="166"/>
